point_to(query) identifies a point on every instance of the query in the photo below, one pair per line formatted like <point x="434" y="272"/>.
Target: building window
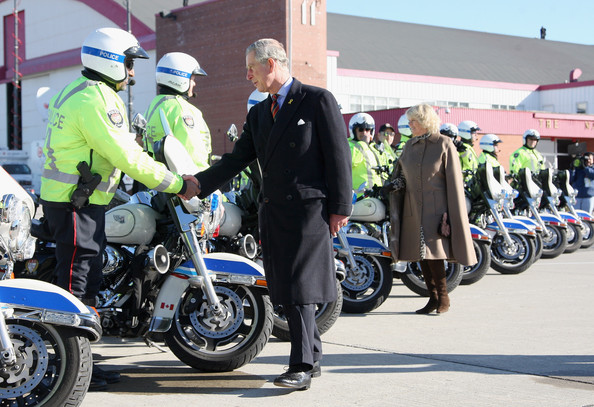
<point x="582" y="107"/>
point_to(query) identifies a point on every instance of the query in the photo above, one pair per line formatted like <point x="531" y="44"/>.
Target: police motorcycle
<point x="211" y="309"/>
<point x="513" y="247"/>
<point x="238" y="234"/>
<point x="371" y="217"/>
<point x="554" y="229"/>
<point x="551" y="202"/>
<point x="567" y="202"/>
<point x="45" y="355"/>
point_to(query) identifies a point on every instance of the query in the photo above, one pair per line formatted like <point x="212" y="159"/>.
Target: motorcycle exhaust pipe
<point x="248" y="246"/>
<point x="158" y="259"/>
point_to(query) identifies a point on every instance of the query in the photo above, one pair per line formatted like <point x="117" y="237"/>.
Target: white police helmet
<point x="531" y="133"/>
<point x="361" y="120"/>
<point x="256" y="97"/>
<point x="403" y="127"/>
<point x="489" y="141"/>
<point x="175" y="70"/>
<point x="449" y="129"/>
<point x="106" y="50"/>
<point x="465" y="129"/>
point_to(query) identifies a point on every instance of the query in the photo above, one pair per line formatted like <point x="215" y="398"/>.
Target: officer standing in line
<point x="365" y="162"/>
<point x="176" y="73"/>
<point x="468" y="158"/>
<point x="383" y="148"/>
<point x="527" y="156"/>
<point x="87" y="143"/>
<point x="405" y="134"/>
<point x="490" y="145"/>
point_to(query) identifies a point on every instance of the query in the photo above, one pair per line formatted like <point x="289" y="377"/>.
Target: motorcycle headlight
<point x="20" y="227"/>
<point x="9" y="207"/>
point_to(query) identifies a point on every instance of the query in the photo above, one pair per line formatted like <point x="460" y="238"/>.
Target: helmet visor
<point x="136" y="52"/>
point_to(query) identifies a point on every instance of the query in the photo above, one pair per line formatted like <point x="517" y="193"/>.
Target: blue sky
<point x="522" y="18"/>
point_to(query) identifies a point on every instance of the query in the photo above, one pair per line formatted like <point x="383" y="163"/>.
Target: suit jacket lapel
<point x="283" y="118"/>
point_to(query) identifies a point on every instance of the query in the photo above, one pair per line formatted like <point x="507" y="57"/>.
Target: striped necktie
<point x="275" y="106"/>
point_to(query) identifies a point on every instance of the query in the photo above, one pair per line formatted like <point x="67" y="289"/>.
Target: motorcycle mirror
<point x="232" y="133"/>
<point x="139" y="124"/>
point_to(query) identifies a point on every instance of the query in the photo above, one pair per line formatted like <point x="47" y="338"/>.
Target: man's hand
<point x="192" y="187"/>
<point x="336" y="222"/>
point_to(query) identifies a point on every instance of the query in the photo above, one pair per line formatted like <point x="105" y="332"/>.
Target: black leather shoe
<point x="316" y="370"/>
<point x="298" y="380"/>
<point x="108" y="377"/>
<point x="97" y="384"/>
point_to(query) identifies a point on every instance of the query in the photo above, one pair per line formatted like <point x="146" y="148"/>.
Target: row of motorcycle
<point x="188" y="273"/>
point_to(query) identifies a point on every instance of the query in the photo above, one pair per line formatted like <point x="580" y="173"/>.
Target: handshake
<point x="192" y="187"/>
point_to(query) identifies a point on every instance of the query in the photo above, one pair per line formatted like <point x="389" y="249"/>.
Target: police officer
<point x="383" y="147"/>
<point x="490" y="145"/>
<point x="86" y="145"/>
<point x="527" y="156"/>
<point x="405" y="134"/>
<point x="365" y="161"/>
<point x="176" y="73"/>
<point x="468" y="159"/>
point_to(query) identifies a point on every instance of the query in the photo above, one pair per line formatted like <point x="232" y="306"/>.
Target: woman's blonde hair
<point x="426" y="116"/>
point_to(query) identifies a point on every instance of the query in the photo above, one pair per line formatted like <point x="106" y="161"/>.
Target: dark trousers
<point x="306" y="345"/>
<point x="80" y="240"/>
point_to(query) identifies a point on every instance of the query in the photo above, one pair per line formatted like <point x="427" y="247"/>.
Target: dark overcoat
<point x="434" y="185"/>
<point x="306" y="176"/>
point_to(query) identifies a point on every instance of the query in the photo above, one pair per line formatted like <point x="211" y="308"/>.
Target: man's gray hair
<point x="269" y="48"/>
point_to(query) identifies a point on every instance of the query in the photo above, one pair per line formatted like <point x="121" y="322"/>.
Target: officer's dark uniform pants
<point x="80" y="240"/>
<point x="306" y="344"/>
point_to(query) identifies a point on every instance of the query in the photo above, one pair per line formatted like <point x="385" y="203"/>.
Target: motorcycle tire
<point x="220" y="344"/>
<point x="413" y="278"/>
<point x="472" y="274"/>
<point x="554" y="241"/>
<point x="367" y="290"/>
<point x="587" y="234"/>
<point x="514" y="260"/>
<point x="574" y="238"/>
<point x="326" y="316"/>
<point x="57" y="365"/>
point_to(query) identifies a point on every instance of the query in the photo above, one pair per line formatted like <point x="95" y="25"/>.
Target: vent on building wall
<point x="575" y="74"/>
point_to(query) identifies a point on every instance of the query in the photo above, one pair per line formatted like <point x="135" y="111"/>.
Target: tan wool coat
<point x="434" y="186"/>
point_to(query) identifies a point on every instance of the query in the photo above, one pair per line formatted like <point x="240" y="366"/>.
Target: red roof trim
<point x="117" y="13"/>
<point x="566" y="85"/>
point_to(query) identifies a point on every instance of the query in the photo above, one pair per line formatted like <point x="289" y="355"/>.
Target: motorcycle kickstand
<point x="152" y="344"/>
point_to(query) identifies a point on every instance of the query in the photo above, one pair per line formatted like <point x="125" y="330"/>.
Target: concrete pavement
<point x="508" y="340"/>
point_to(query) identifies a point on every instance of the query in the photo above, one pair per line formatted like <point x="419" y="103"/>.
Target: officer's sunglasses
<point x="129" y="63"/>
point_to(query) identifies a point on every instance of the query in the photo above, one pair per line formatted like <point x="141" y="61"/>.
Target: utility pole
<point x="16" y="142"/>
<point x="129" y="28"/>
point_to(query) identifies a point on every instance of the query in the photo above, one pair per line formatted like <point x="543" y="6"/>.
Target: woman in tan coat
<point x="429" y="219"/>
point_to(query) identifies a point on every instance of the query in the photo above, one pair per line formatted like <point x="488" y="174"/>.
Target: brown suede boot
<point x="433" y="298"/>
<point x="438" y="271"/>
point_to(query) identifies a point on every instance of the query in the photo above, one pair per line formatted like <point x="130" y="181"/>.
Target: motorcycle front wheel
<point x="413" y="277"/>
<point x="220" y="343"/>
<point x="515" y="258"/>
<point x="472" y="274"/>
<point x="587" y="234"/>
<point x="366" y="288"/>
<point x="554" y="241"/>
<point x="53" y="367"/>
<point x="574" y="238"/>
<point x="326" y="316"/>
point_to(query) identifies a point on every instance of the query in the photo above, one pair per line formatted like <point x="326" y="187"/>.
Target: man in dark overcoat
<point x="301" y="146"/>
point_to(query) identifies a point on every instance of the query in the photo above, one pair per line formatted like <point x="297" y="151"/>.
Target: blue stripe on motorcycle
<point x="36" y="299"/>
<point x="221" y="266"/>
<point x="367" y="243"/>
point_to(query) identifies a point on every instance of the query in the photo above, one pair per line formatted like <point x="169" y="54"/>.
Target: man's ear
<point x="271" y="64"/>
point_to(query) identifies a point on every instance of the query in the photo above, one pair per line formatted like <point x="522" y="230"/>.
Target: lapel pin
<point x="290" y="101"/>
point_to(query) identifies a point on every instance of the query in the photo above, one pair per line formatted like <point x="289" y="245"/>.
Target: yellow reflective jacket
<point x="87" y="121"/>
<point x="187" y="125"/>
<point x="364" y="162"/>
